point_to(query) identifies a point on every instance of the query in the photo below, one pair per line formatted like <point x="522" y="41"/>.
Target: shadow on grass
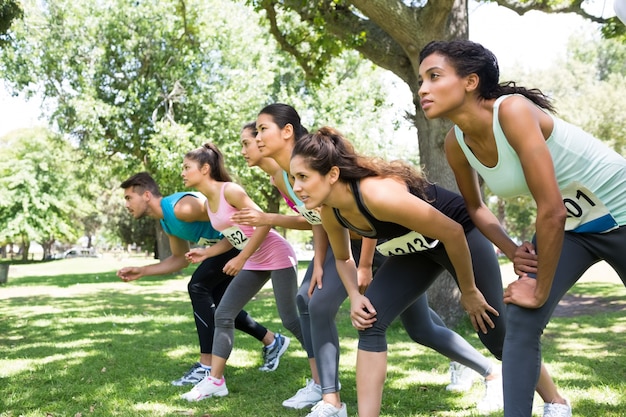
<point x="114" y="353"/>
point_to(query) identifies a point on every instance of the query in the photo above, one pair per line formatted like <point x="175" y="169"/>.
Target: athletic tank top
<point x="274" y="253"/>
<point x="201" y="233"/>
<point x="395" y="239"/>
<point x="590" y="175"/>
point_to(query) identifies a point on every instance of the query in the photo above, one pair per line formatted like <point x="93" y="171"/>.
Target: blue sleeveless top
<point x="199" y="232"/>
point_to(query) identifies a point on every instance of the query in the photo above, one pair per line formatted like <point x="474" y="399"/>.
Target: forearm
<point x="459" y="254"/>
<point x="549" y="236"/>
<point x="166" y="266"/>
<point x="366" y="258"/>
<point x="219" y="248"/>
<point x="296" y="222"/>
<point x="491" y="228"/>
<point x="255" y="241"/>
<point x="347" y="271"/>
<point x="320" y="246"/>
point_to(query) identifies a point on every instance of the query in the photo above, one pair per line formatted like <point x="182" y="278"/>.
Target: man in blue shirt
<point x="184" y="219"/>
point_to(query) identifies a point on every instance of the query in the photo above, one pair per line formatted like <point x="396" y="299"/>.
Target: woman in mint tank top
<point x="508" y="135"/>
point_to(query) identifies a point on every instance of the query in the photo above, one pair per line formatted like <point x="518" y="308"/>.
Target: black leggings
<point x="401" y="280"/>
<point x="206" y="288"/>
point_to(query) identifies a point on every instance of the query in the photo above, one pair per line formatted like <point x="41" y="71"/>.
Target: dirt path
<point x="574" y="305"/>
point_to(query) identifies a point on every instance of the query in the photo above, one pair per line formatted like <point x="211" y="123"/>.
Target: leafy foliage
<point x="40" y="200"/>
<point x="10" y="10"/>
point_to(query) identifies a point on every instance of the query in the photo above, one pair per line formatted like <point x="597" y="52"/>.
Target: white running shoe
<point x="461" y="377"/>
<point x="271" y="356"/>
<point x="310" y="395"/>
<point x="493" y="399"/>
<point x="194" y="375"/>
<point x="208" y="387"/>
<point x="557" y="410"/>
<point x="324" y="409"/>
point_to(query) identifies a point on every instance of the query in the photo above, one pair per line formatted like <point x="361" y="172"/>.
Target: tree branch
<point x="549" y="6"/>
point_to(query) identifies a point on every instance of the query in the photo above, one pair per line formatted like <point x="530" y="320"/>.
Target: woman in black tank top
<point x="391" y="200"/>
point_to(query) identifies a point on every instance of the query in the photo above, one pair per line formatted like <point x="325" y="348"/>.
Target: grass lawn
<point x="76" y="341"/>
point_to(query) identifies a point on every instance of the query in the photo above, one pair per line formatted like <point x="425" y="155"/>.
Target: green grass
<point x="76" y="341"/>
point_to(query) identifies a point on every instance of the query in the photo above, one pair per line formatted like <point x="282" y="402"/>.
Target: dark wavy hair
<point x="210" y="154"/>
<point x="469" y="57"/>
<point x="327" y="148"/>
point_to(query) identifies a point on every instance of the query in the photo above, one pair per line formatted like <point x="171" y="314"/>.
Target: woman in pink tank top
<point x="264" y="255"/>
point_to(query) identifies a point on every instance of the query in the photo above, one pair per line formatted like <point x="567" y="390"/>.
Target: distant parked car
<point x="78" y="253"/>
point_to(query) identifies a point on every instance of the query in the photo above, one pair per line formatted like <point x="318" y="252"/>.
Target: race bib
<point x="236" y="237"/>
<point x="207" y="242"/>
<point x="585" y="211"/>
<point x="412" y="242"/>
<point x="311" y="216"/>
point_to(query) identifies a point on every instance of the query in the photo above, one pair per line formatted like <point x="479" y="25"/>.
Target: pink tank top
<point x="274" y="253"/>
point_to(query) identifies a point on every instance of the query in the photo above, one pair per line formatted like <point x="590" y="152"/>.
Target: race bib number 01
<point x="412" y="242"/>
<point x="585" y="211"/>
<point x="311" y="216"/>
<point x="236" y="237"/>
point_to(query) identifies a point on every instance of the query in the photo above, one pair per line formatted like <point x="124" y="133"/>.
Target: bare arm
<point x="364" y="271"/>
<point x="237" y="197"/>
<point x="389" y="200"/>
<point x="467" y="181"/>
<point x="362" y="312"/>
<point x="172" y="263"/>
<point x="525" y="127"/>
<point x="252" y="217"/>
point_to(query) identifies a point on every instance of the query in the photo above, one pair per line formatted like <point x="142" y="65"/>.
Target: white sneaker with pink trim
<point x="208" y="387"/>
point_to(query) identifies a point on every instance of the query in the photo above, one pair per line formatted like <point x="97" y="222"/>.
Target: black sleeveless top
<point x="449" y="203"/>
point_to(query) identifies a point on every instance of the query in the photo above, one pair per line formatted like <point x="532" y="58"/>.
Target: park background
<point x="79" y="113"/>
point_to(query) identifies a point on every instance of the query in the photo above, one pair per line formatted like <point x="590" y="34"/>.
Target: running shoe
<point x="208" y="387"/>
<point x="310" y="395"/>
<point x="557" y="410"/>
<point x="461" y="377"/>
<point x="194" y="375"/>
<point x="493" y="399"/>
<point x="271" y="356"/>
<point x="324" y="409"/>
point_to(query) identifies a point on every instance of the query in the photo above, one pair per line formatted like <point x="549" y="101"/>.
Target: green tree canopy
<point x="40" y="197"/>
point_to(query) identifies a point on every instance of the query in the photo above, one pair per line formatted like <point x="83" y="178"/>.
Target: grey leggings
<point x="402" y="280"/>
<point x="423" y="325"/>
<point x="522" y="345"/>
<point x="241" y="290"/>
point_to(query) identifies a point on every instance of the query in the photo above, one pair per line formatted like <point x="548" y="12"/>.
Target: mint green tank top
<point x="586" y="168"/>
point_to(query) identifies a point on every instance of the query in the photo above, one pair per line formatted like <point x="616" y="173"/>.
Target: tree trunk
<point x="444" y="294"/>
<point x="163" y="249"/>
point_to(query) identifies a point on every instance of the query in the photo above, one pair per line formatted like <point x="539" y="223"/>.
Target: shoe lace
<point x="193" y="369"/>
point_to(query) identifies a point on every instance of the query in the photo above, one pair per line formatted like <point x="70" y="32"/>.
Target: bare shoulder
<point x="516" y="105"/>
<point x="381" y="192"/>
<point x="191" y="208"/>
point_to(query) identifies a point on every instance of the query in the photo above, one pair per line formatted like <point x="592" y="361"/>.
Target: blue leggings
<point x="423" y="325"/>
<point x="522" y="345"/>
